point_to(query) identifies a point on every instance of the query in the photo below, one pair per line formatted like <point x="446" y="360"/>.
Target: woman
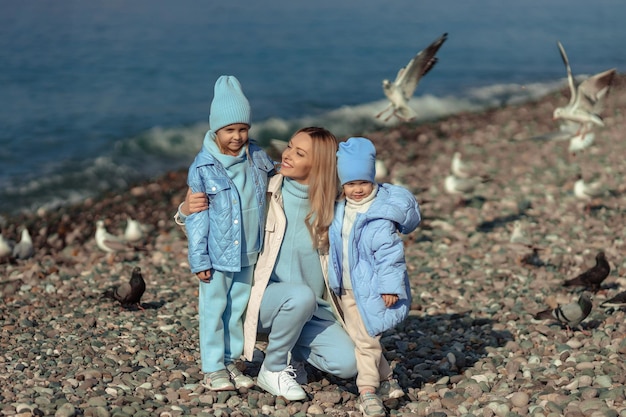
<point x="289" y="295"/>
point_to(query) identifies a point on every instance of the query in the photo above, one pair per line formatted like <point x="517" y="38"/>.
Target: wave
<point x="161" y="149"/>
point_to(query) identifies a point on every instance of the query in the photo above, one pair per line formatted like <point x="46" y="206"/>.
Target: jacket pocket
<point x="215" y="185"/>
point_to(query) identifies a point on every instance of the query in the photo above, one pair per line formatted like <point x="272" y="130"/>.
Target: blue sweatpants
<point x="221" y="304"/>
<point x="287" y="315"/>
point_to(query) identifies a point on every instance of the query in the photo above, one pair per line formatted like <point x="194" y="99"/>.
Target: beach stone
<point x="520" y="399"/>
<point x="65" y="410"/>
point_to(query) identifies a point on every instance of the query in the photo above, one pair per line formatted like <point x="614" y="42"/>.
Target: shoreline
<point x="470" y="346"/>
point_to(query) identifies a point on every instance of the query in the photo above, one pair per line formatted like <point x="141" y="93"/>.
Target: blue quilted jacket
<point x="214" y="235"/>
<point x="376" y="252"/>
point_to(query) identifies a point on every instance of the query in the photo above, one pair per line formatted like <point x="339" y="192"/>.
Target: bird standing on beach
<point x="586" y="99"/>
<point x="6" y="246"/>
<point x="24" y="249"/>
<point x="592" y="278"/>
<point x="401" y="90"/>
<point x="462" y="186"/>
<point x="571" y="314"/>
<point x="108" y="242"/>
<point x="134" y="230"/>
<point x="618" y="301"/>
<point x="129" y="293"/>
<point x="587" y="191"/>
<point x="521" y="243"/>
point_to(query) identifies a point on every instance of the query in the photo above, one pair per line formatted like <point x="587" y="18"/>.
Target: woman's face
<point x="298" y="158"/>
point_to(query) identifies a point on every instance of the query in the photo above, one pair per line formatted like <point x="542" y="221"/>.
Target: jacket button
<point x="213" y="188"/>
<point x="236" y="242"/>
<point x="236" y="221"/>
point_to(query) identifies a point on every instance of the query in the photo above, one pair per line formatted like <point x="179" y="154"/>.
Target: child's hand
<point x="390" y="299"/>
<point x="204" y="276"/>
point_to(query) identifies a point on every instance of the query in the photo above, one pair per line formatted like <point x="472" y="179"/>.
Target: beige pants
<point x="371" y="365"/>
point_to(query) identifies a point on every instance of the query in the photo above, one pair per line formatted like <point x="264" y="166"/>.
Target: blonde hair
<point x="324" y="186"/>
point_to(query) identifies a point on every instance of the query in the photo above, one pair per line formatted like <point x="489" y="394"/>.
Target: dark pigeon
<point x="618" y="301"/>
<point x="129" y="293"/>
<point x="593" y="277"/>
<point x="571" y="315"/>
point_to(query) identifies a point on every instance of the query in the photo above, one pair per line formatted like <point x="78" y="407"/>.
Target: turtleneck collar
<point x="296" y="189"/>
<point x="210" y="145"/>
<point x="366" y="200"/>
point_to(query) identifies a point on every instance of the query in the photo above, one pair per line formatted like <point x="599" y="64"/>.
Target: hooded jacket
<point x="215" y="235"/>
<point x="376" y="256"/>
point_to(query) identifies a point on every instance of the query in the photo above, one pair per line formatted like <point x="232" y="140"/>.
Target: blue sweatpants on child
<point x="287" y="315"/>
<point x="221" y="304"/>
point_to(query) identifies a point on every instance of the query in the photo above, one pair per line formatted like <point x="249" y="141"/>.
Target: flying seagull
<point x="586" y="99"/>
<point x="401" y="90"/>
<point x="571" y="314"/>
<point x="129" y="293"/>
<point x="592" y="278"/>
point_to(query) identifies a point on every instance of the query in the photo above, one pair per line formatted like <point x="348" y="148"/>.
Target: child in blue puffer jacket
<point x="367" y="269"/>
<point x="225" y="240"/>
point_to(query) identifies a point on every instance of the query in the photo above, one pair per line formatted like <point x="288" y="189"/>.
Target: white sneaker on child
<point x="282" y="383"/>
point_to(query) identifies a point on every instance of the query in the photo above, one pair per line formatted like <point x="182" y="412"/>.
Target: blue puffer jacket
<point x="214" y="235"/>
<point x="377" y="264"/>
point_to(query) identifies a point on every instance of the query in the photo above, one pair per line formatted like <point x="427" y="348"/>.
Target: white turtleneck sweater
<point x="352" y="209"/>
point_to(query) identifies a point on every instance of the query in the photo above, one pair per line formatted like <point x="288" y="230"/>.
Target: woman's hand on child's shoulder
<point x="194" y="202"/>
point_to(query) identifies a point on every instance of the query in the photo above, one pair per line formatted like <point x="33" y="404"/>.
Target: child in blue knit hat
<point x="225" y="240"/>
<point x="367" y="269"/>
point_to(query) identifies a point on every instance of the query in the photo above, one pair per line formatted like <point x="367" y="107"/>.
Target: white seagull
<point x="6" y="247"/>
<point x="461" y="168"/>
<point x="522" y="244"/>
<point x="588" y="191"/>
<point x="401" y="90"/>
<point x="462" y="186"/>
<point x="134" y="230"/>
<point x="581" y="141"/>
<point x="24" y="249"/>
<point x="108" y="242"/>
<point x="586" y="99"/>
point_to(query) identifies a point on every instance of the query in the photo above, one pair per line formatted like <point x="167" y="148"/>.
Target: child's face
<point x="232" y="138"/>
<point x="358" y="190"/>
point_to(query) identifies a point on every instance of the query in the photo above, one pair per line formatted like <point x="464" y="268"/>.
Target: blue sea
<point x="97" y="95"/>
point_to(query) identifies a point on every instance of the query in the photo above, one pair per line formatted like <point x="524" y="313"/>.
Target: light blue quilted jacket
<point x="376" y="252"/>
<point x="214" y="236"/>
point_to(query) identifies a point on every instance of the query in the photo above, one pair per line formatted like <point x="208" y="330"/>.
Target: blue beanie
<point x="229" y="104"/>
<point x="356" y="160"/>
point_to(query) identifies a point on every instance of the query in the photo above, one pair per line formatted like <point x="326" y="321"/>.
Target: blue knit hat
<point x="229" y="104"/>
<point x="356" y="160"/>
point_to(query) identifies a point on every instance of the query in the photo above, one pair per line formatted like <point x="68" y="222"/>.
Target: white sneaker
<point x="282" y="383"/>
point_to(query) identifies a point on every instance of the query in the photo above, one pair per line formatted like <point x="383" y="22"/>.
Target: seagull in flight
<point x="401" y="90"/>
<point x="586" y="99"/>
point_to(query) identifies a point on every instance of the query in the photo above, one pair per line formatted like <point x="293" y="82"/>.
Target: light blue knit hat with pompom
<point x="356" y="160"/>
<point x="229" y="104"/>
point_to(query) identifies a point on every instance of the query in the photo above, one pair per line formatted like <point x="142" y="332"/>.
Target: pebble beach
<point x="470" y="346"/>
